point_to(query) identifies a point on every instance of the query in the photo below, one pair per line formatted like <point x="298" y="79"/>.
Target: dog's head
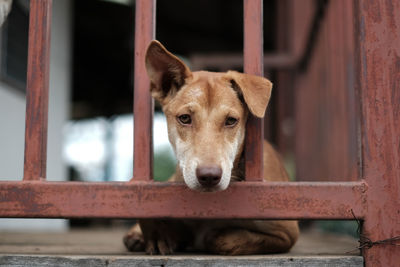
<point x="206" y="115"/>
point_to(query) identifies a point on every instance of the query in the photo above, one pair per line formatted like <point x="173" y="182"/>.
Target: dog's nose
<point x="209" y="176"/>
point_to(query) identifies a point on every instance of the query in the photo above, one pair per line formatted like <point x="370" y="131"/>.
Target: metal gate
<point x="374" y="198"/>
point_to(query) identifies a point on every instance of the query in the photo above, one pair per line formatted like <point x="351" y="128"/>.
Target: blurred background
<point x="308" y="56"/>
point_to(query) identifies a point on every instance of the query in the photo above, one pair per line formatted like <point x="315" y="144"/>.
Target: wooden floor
<point x="99" y="247"/>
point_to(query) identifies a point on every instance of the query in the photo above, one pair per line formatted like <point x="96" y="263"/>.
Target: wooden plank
<point x="108" y="241"/>
<point x="378" y="63"/>
<point x="37" y="90"/>
<point x="179" y="261"/>
<point x="143" y="103"/>
<point x="253" y="64"/>
<point x="249" y="200"/>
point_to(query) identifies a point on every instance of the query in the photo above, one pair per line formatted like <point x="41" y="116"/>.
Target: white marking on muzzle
<point x="227" y="164"/>
<point x="189" y="162"/>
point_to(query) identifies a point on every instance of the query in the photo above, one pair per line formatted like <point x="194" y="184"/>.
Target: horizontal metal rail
<point x="261" y="200"/>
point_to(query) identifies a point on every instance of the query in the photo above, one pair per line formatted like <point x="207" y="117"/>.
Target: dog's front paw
<point x="162" y="244"/>
<point x="160" y="237"/>
<point x="134" y="240"/>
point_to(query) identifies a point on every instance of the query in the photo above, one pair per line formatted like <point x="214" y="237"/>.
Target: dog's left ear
<point x="167" y="72"/>
<point x="256" y="91"/>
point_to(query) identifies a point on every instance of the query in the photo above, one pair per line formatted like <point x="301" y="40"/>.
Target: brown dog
<point x="206" y="115"/>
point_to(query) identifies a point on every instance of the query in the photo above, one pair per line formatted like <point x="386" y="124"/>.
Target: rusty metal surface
<point x="325" y="102"/>
<point x="37" y="90"/>
<point x="378" y="64"/>
<point x="253" y="64"/>
<point x="143" y="103"/>
<point x="164" y="200"/>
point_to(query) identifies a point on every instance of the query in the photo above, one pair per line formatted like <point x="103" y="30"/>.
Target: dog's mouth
<point x="209" y="189"/>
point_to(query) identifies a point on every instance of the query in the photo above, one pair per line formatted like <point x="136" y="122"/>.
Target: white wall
<point x="12" y="119"/>
<point x="12" y="126"/>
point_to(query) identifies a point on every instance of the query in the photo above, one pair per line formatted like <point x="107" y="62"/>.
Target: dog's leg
<point x="164" y="236"/>
<point x="244" y="241"/>
<point x="134" y="240"/>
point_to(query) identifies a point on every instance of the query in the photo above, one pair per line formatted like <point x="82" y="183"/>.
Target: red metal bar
<point x="143" y="103"/>
<point x="174" y="200"/>
<point x="37" y="90"/>
<point x="378" y="63"/>
<point x="253" y="64"/>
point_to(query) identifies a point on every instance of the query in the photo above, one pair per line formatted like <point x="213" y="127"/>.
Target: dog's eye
<point x="230" y="121"/>
<point x="185" y="119"/>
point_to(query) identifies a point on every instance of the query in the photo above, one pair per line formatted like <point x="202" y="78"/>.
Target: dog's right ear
<point x="256" y="91"/>
<point x="167" y="72"/>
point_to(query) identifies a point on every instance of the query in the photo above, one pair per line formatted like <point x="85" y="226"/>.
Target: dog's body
<point x="206" y="115"/>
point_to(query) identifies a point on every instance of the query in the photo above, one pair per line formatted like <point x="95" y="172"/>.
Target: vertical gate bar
<point x="143" y="103"/>
<point x="378" y="65"/>
<point x="253" y="64"/>
<point x="37" y="90"/>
